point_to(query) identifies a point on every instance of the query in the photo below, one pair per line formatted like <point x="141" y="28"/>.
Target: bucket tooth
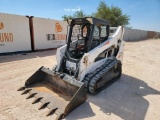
<point x="21" y="88"/>
<point x="31" y="95"/>
<point x="37" y="100"/>
<point x="51" y="111"/>
<point x="26" y="91"/>
<point x="43" y="105"/>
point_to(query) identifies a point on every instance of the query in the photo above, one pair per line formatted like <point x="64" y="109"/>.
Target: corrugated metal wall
<point x="134" y="34"/>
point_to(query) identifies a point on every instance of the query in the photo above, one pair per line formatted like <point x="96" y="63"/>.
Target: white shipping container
<point x="14" y="33"/>
<point x="49" y="33"/>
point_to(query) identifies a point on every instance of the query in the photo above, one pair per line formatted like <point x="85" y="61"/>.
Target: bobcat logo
<point x="58" y="27"/>
<point x="1" y="25"/>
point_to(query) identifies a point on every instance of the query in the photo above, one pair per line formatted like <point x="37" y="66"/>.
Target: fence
<point x="134" y="34"/>
<point x="24" y="33"/>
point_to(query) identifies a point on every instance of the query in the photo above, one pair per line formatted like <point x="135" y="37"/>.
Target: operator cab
<point x="84" y="35"/>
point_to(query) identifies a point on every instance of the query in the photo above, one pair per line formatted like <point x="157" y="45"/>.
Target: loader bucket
<point x="61" y="94"/>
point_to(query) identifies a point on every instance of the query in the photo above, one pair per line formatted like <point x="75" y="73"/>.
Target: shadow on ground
<point x="124" y="98"/>
<point x="17" y="57"/>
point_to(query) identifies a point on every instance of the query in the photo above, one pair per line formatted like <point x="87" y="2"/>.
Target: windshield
<point x="100" y="32"/>
<point x="79" y="38"/>
<point x="78" y="32"/>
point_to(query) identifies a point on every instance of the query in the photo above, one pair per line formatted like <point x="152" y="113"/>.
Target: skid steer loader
<point x="89" y="62"/>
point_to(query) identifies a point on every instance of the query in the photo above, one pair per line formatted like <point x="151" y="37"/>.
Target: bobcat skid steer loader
<point x="89" y="62"/>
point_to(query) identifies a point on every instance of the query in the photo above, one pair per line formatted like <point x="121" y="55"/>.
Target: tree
<point x="113" y="14"/>
<point x="65" y="17"/>
<point x="77" y="14"/>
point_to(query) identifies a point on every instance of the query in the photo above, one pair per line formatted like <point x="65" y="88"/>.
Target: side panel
<point x="87" y="69"/>
<point x="14" y="33"/>
<point x="121" y="52"/>
<point x="59" y="55"/>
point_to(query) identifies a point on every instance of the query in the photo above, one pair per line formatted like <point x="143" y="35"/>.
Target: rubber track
<point x="90" y="75"/>
<point x="92" y="78"/>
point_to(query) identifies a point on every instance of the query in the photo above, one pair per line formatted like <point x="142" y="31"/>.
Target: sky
<point x="144" y="14"/>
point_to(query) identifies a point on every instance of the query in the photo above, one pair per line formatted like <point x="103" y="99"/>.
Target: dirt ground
<point x="136" y="96"/>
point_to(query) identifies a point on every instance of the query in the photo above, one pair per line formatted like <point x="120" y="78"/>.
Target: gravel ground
<point x="136" y="96"/>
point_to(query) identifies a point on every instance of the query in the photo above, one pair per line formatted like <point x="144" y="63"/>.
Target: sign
<point x="1" y="25"/>
<point x="58" y="27"/>
<point x="5" y="37"/>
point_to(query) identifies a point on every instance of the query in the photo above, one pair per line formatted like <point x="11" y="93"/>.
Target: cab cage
<point x="90" y="20"/>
